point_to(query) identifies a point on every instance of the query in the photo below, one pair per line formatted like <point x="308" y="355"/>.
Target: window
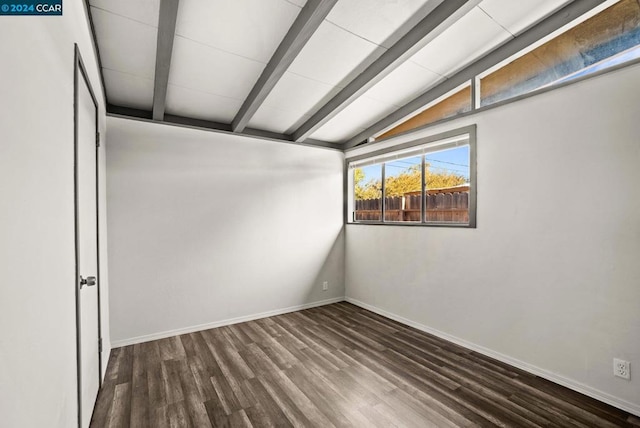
<point x="402" y="189"/>
<point x="368" y="192"/>
<point x="610" y="38"/>
<point x="452" y="105"/>
<point x="430" y="181"/>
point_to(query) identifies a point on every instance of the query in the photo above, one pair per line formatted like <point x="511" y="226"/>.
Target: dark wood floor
<point x="335" y="365"/>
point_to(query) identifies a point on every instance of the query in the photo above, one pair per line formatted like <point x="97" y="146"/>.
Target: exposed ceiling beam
<point x="554" y="22"/>
<point x="417" y="37"/>
<point x="166" y="32"/>
<point x="307" y="22"/>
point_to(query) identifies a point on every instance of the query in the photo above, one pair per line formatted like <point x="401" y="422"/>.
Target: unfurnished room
<point x="319" y="213"/>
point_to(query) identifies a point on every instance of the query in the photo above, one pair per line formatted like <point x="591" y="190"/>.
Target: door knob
<point x="88" y="281"/>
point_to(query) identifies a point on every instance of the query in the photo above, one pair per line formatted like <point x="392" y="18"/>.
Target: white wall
<point x="207" y="227"/>
<point x="550" y="278"/>
<point x="37" y="300"/>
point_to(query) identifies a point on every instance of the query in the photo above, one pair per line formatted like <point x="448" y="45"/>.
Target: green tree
<point x="405" y="182"/>
<point x="442" y="180"/>
<point x="369" y="190"/>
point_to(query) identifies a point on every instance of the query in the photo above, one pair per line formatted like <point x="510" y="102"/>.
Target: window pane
<point x="403" y="189"/>
<point x="367" y="189"/>
<point x="447" y="185"/>
<point x="460" y="102"/>
<point x="392" y="186"/>
<point x="607" y="39"/>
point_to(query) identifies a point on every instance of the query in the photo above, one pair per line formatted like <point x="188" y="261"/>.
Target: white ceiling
<point x="221" y="47"/>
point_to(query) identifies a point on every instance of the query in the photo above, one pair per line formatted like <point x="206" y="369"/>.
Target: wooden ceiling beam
<point x="415" y="38"/>
<point x="164" y="49"/>
<point x="307" y="22"/>
<point x="547" y="26"/>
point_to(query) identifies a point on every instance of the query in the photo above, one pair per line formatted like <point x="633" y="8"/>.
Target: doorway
<point x="87" y="284"/>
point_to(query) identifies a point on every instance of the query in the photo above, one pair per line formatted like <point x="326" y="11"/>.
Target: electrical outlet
<point x="621" y="368"/>
<point x="325" y="285"/>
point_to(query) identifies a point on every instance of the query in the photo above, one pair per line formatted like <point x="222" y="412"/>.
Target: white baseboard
<point x="553" y="377"/>
<point x="185" y="330"/>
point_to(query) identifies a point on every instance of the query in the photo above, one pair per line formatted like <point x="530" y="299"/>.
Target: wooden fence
<point x="449" y="205"/>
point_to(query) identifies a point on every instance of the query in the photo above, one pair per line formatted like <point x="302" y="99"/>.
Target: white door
<point x="87" y="251"/>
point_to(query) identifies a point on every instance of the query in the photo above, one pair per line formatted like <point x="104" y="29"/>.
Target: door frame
<point x="79" y="71"/>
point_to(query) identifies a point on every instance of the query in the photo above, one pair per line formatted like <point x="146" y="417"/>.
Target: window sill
<point x="380" y="223"/>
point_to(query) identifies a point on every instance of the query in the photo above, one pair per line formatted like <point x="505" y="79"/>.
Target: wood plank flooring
<point x="336" y="365"/>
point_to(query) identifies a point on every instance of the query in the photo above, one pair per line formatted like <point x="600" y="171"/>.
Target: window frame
<point x="417" y="120"/>
<point x="562" y="81"/>
<point x="474" y="81"/>
<point x="432" y="143"/>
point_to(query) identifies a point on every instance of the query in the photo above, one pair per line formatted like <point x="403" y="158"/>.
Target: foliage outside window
<point x="430" y="183"/>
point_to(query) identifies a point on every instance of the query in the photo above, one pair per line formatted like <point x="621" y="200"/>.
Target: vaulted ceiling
<point x="326" y="72"/>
